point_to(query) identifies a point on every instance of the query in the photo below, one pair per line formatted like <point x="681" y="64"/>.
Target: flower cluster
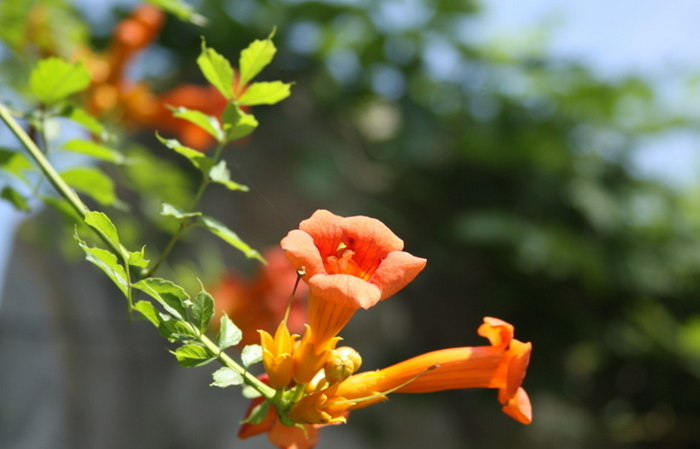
<point x="348" y="264"/>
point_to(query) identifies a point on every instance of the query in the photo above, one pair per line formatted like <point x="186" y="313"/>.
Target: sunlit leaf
<point x="255" y="58"/>
<point x="265" y="93"/>
<point x="225" y="377"/>
<point x="181" y="10"/>
<point x="138" y="258"/>
<point x="221" y="174"/>
<point x="14" y="162"/>
<point x="82" y="117"/>
<point x="15" y="198"/>
<point x="54" y="79"/>
<point x="217" y="70"/>
<point x="107" y="262"/>
<point x="249" y="392"/>
<point x="230" y="237"/>
<point x="229" y="334"/>
<point x="198" y="159"/>
<point x="176" y="330"/>
<point x="202" y="310"/>
<point x="171" y="296"/>
<point x="102" y="223"/>
<point x="237" y="124"/>
<point x="149" y="312"/>
<point x="190" y="356"/>
<point x="251" y="354"/>
<point x="92" y="182"/>
<point x="95" y="150"/>
<point x="206" y="122"/>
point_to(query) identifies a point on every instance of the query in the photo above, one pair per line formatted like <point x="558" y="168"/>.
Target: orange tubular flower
<point x="349" y="263"/>
<point x="501" y="366"/>
<point x="277" y="355"/>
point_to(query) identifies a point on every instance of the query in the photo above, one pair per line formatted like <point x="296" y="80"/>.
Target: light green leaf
<point x="258" y="414"/>
<point x="15" y="198"/>
<point x="107" y="262"/>
<point x="82" y="117"/>
<point x="92" y="182"/>
<point x="54" y="79"/>
<point x="220" y="174"/>
<point x="198" y="159"/>
<point x="168" y="210"/>
<point x="95" y="150"/>
<point x="171" y="296"/>
<point x="254" y="58"/>
<point x="190" y="356"/>
<point x="149" y="312"/>
<point x="230" y="237"/>
<point x="265" y="93"/>
<point x="202" y="310"/>
<point x="206" y="122"/>
<point x="138" y="258"/>
<point x="251" y="354"/>
<point x="101" y="222"/>
<point x="225" y="377"/>
<point x="217" y="70"/>
<point x="229" y="333"/>
<point x="237" y="123"/>
<point x="15" y="163"/>
<point x="181" y="10"/>
<point x="249" y="392"/>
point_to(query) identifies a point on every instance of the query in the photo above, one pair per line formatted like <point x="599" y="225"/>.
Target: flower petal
<point x="370" y="239"/>
<point x="345" y="290"/>
<point x="324" y="228"/>
<point x="396" y="271"/>
<point x="302" y="252"/>
<point x="519" y="407"/>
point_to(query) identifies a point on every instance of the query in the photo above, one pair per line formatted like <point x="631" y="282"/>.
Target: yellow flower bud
<point x="341" y="364"/>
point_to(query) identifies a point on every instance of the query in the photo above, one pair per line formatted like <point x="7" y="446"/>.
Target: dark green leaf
<point x="190" y="356"/>
<point x="230" y="237"/>
<point x="198" y="159"/>
<point x="225" y="377"/>
<point x="221" y="175"/>
<point x="229" y="334"/>
<point x="15" y="163"/>
<point x="217" y="70"/>
<point x="254" y="58"/>
<point x="202" y="310"/>
<point x="265" y="93"/>
<point x="54" y="79"/>
<point x="171" y="296"/>
<point x="251" y="354"/>
<point x="92" y="182"/>
<point x="64" y="207"/>
<point x="15" y="198"/>
<point x="176" y="330"/>
<point x="95" y="150"/>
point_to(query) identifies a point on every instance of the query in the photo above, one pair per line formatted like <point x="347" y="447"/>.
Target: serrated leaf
<point x="138" y="258"/>
<point x="251" y="354"/>
<point x="102" y="223"/>
<point x="217" y="70"/>
<point x="255" y="58"/>
<point x="168" y="210"/>
<point x="249" y="392"/>
<point x="92" y="182"/>
<point x="176" y="330"/>
<point x="94" y="150"/>
<point x="197" y="158"/>
<point x="190" y="356"/>
<point x="14" y="162"/>
<point x="258" y="414"/>
<point x="149" y="312"/>
<point x="265" y="93"/>
<point x="107" y="262"/>
<point x="221" y="175"/>
<point x="229" y="334"/>
<point x="172" y="297"/>
<point x="219" y="229"/>
<point x="54" y="79"/>
<point x="206" y="122"/>
<point x="202" y="310"/>
<point x="225" y="377"/>
<point x="15" y="198"/>
<point x="181" y="10"/>
<point x="82" y="117"/>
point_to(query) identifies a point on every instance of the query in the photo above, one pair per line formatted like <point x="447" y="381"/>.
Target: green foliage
<point x="202" y="310"/>
<point x="221" y="175"/>
<point x="168" y="210"/>
<point x="225" y="377"/>
<point x="169" y="295"/>
<point x="15" y="163"/>
<point x="108" y="263"/>
<point x="251" y="354"/>
<point x="181" y="10"/>
<point x="217" y="70"/>
<point x="147" y="309"/>
<point x="53" y="79"/>
<point x="103" y="224"/>
<point x="80" y="116"/>
<point x="265" y="93"/>
<point x="206" y="122"/>
<point x="255" y="58"/>
<point x="229" y="334"/>
<point x="197" y="158"/>
<point x="237" y="124"/>
<point x="191" y="356"/>
<point x="92" y="182"/>
<point x="138" y="258"/>
<point x="220" y="230"/>
<point x="15" y="198"/>
<point x="95" y="150"/>
<point x="258" y="414"/>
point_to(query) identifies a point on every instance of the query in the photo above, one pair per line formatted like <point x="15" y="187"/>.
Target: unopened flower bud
<point x="341" y="364"/>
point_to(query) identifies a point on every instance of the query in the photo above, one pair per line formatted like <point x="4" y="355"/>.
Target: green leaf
<point x="168" y="210"/>
<point x="172" y="297"/>
<point x="225" y="377"/>
<point x="251" y="354"/>
<point x="107" y="262"/>
<point x="138" y="258"/>
<point x="95" y="150"/>
<point x="15" y="163"/>
<point x="54" y="79"/>
<point x="82" y="117"/>
<point x="258" y="414"/>
<point x="202" y="310"/>
<point x="92" y="182"/>
<point x="221" y="174"/>
<point x="249" y="392"/>
<point x="181" y="10"/>
<point x="198" y="159"/>
<point x="237" y="123"/>
<point x="102" y="223"/>
<point x="176" y="330"/>
<point x="64" y="207"/>
<point x="149" y="312"/>
<point x="190" y="356"/>
<point x="265" y="93"/>
<point x="229" y="334"/>
<point x="227" y="235"/>
<point x="206" y="122"/>
<point x="15" y="198"/>
<point x="217" y="70"/>
<point x="254" y="58"/>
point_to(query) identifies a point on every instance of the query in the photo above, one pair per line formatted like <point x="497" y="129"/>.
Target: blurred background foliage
<point x="508" y="170"/>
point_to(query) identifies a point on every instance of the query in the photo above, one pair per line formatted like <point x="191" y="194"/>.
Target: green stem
<point x="266" y="391"/>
